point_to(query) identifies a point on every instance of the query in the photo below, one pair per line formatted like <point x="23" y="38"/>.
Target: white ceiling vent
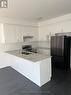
<point x="3" y="3"/>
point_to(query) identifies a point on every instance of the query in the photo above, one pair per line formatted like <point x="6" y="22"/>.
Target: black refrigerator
<point x="60" y="52"/>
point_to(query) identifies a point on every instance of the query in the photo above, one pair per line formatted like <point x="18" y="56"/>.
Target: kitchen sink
<point x="27" y="53"/>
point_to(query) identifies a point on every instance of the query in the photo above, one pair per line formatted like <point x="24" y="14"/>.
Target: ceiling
<point x="36" y="10"/>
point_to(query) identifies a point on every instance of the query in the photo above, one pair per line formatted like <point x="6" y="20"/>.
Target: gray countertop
<point x="32" y="56"/>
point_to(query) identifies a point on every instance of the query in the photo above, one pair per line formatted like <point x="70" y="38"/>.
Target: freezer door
<point x="57" y="46"/>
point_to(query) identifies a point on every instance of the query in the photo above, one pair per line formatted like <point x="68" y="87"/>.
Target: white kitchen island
<point x="35" y="66"/>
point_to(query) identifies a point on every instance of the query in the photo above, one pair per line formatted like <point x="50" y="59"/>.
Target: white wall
<point x="52" y="26"/>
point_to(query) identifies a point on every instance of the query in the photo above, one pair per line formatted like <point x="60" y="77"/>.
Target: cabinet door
<point x="31" y="31"/>
<point x="19" y="33"/>
<point x="2" y="40"/>
<point x="13" y="33"/>
<point x="10" y="33"/>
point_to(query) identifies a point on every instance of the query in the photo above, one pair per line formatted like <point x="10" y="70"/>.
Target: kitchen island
<point x="34" y="66"/>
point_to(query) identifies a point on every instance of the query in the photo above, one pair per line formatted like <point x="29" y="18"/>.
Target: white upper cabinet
<point x="15" y="33"/>
<point x="1" y="34"/>
<point x="10" y="33"/>
<point x="19" y="33"/>
<point x="31" y="31"/>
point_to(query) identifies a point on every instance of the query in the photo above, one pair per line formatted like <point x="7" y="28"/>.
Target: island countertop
<point x="35" y="66"/>
<point x="34" y="57"/>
